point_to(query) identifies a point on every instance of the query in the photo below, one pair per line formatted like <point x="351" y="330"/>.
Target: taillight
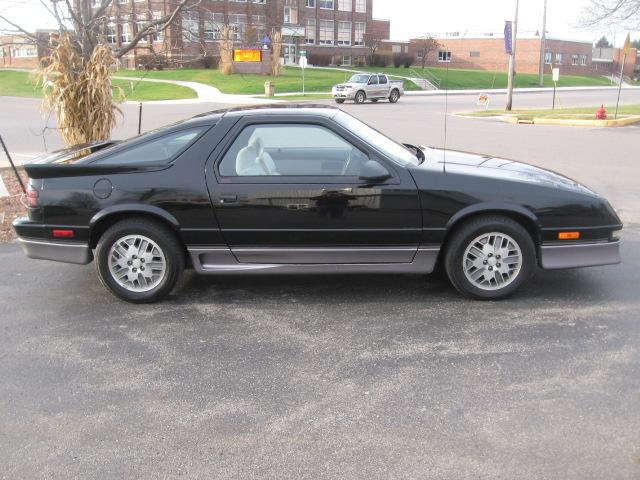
<point x="32" y="197"/>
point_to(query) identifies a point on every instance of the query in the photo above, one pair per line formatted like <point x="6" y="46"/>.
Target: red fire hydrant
<point x="601" y="114"/>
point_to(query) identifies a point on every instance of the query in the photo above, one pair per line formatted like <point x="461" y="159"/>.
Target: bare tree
<point x="77" y="80"/>
<point x="425" y="46"/>
<point x="621" y="14"/>
<point x="372" y="41"/>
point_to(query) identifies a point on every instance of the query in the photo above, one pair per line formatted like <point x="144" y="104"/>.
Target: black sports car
<point x="306" y="189"/>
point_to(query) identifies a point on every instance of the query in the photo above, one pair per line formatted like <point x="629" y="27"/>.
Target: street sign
<point x="483" y="100"/>
<point x="556" y="74"/>
<point x="303" y="62"/>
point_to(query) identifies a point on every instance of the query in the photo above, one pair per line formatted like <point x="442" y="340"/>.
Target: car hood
<point x="347" y="84"/>
<point x="498" y="168"/>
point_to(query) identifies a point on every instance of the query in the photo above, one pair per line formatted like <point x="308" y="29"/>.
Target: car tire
<point x="394" y="96"/>
<point x="475" y="257"/>
<point x="360" y="97"/>
<point x="125" y="252"/>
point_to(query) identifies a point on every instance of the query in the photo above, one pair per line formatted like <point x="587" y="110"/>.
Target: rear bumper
<point x="67" y="252"/>
<point x="579" y="255"/>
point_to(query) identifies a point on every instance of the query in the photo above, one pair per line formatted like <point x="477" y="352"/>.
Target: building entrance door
<point x="289" y="54"/>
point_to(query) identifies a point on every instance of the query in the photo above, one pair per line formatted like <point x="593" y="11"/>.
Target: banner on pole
<point x="508" y="37"/>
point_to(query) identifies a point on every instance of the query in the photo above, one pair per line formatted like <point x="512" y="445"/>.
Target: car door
<point x="287" y="190"/>
<point x="383" y="84"/>
<point x="373" y="89"/>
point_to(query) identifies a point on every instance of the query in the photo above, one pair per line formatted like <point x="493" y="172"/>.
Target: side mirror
<point x="373" y="172"/>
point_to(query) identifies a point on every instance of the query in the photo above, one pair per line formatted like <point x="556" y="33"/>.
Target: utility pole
<point x="512" y="60"/>
<point x="543" y="41"/>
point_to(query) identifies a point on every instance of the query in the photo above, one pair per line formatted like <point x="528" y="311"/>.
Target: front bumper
<point x="575" y="255"/>
<point x="67" y="252"/>
<point x="346" y="94"/>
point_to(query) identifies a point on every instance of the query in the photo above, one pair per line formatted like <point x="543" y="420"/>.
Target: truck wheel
<point x="395" y="96"/>
<point x="340" y="100"/>
<point x="139" y="260"/>
<point x="360" y="97"/>
<point x="490" y="257"/>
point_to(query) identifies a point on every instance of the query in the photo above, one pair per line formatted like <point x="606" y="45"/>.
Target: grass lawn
<point x="316" y="80"/>
<point x="23" y="84"/>
<point x="478" y="79"/>
<point x="582" y="113"/>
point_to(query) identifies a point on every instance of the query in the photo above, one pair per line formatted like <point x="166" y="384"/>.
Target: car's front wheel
<point x="139" y="260"/>
<point x="360" y="97"/>
<point x="490" y="257"/>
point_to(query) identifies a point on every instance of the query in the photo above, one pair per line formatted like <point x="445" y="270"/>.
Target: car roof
<point x="271" y="109"/>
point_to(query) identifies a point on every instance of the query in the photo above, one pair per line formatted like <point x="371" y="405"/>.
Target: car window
<point x="373" y="80"/>
<point x="159" y="150"/>
<point x="382" y="79"/>
<point x="359" y="79"/>
<point x="290" y="150"/>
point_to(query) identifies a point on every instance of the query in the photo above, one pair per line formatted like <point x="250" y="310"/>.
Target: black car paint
<point x="418" y="205"/>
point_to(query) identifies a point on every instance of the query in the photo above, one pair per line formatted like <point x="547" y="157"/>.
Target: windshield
<point x="359" y="79"/>
<point x="394" y="150"/>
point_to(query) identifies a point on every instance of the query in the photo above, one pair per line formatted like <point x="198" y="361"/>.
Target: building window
<point x="345" y="5"/>
<point x="583" y="60"/>
<point x="344" y="33"/>
<point x="326" y="4"/>
<point x="396" y="49"/>
<point x="574" y="59"/>
<point x="238" y="24"/>
<point x="311" y="31"/>
<point x="361" y="6"/>
<point x="548" y="55"/>
<point x="141" y="25"/>
<point x="190" y="27"/>
<point x="360" y="28"/>
<point x="260" y="1"/>
<point x="311" y="3"/>
<point x="474" y="54"/>
<point x="125" y="32"/>
<point x="559" y="57"/>
<point x="25" y="51"/>
<point x="157" y="36"/>
<point x="326" y="32"/>
<point x="112" y="32"/>
<point x="444" y="56"/>
<point x="123" y="2"/>
<point x="290" y="15"/>
<point x="346" y="61"/>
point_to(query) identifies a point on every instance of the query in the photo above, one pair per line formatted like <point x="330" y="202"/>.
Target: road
<point x="336" y="377"/>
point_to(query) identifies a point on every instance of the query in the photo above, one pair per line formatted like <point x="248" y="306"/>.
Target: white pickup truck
<point x="368" y="86"/>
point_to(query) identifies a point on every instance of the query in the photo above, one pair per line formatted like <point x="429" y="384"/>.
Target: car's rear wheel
<point x="139" y="260"/>
<point x="340" y="100"/>
<point x="394" y="96"/>
<point x="360" y="97"/>
<point x="489" y="258"/>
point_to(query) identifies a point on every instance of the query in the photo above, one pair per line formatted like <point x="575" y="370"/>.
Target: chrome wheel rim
<point x="137" y="263"/>
<point x="492" y="261"/>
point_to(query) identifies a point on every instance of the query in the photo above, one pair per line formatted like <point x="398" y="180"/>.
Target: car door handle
<point x="226" y="199"/>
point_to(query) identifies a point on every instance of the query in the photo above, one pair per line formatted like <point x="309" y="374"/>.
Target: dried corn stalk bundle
<point x="79" y="91"/>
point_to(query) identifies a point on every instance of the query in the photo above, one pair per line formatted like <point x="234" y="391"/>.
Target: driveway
<point x="334" y="376"/>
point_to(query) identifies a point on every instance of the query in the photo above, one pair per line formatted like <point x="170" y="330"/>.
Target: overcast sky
<point x="411" y="18"/>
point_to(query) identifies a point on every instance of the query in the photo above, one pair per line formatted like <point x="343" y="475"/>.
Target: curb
<point x="574" y="123"/>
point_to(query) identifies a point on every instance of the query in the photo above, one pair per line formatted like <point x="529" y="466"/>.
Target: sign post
<point x="626" y="49"/>
<point x="510" y="37"/>
<point x="303" y="65"/>
<point x="556" y="78"/>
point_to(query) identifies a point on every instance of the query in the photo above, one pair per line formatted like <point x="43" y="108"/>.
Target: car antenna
<point x="446" y="103"/>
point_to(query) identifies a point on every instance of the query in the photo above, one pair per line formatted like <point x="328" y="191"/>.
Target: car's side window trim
<point x="166" y="163"/>
<point x="236" y="131"/>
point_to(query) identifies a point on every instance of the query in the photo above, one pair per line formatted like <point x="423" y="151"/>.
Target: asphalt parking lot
<point x="336" y="376"/>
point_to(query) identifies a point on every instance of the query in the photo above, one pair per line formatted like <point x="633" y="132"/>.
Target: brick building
<point x="488" y="53"/>
<point x="333" y="27"/>
<point x="18" y="51"/>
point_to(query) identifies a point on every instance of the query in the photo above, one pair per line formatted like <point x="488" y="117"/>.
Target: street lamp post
<point x="512" y="60"/>
<point x="543" y="40"/>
